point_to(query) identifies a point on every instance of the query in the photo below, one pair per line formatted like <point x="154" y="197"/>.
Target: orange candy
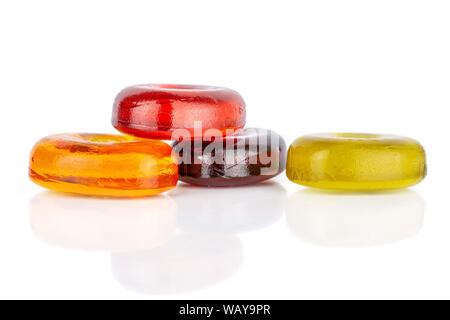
<point x="103" y="165"/>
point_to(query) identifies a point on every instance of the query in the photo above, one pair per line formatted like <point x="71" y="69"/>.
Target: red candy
<point x="157" y="111"/>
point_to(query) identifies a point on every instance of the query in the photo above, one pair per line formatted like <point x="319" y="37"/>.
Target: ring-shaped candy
<point x="166" y="112"/>
<point x="250" y="156"/>
<point x="103" y="165"/>
<point x="352" y="161"/>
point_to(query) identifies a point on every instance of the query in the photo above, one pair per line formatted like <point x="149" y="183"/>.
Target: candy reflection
<point x="230" y="210"/>
<point x="187" y="262"/>
<point x="103" y="224"/>
<point x="354" y="220"/>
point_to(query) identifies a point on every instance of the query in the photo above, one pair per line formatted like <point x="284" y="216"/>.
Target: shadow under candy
<point x="229" y="210"/>
<point x="103" y="224"/>
<point x="354" y="219"/>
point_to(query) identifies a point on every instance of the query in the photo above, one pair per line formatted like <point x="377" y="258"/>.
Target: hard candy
<point x="351" y="161"/>
<point x="167" y="112"/>
<point x="103" y="165"/>
<point x="249" y="156"/>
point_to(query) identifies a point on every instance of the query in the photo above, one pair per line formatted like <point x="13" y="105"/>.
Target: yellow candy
<point x="351" y="161"/>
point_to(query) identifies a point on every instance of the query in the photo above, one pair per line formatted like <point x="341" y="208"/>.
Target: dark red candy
<point x="249" y="156"/>
<point x="160" y="111"/>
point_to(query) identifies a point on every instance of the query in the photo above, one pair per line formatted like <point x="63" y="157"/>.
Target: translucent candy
<point x="163" y="112"/>
<point x="103" y="165"/>
<point x="351" y="161"/>
<point x="249" y="156"/>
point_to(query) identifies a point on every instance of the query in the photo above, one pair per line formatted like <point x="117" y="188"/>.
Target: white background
<point x="302" y="67"/>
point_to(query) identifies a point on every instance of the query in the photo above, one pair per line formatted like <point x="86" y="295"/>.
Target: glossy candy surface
<point x="351" y="161"/>
<point x="249" y="156"/>
<point x="103" y="165"/>
<point x="158" y="111"/>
